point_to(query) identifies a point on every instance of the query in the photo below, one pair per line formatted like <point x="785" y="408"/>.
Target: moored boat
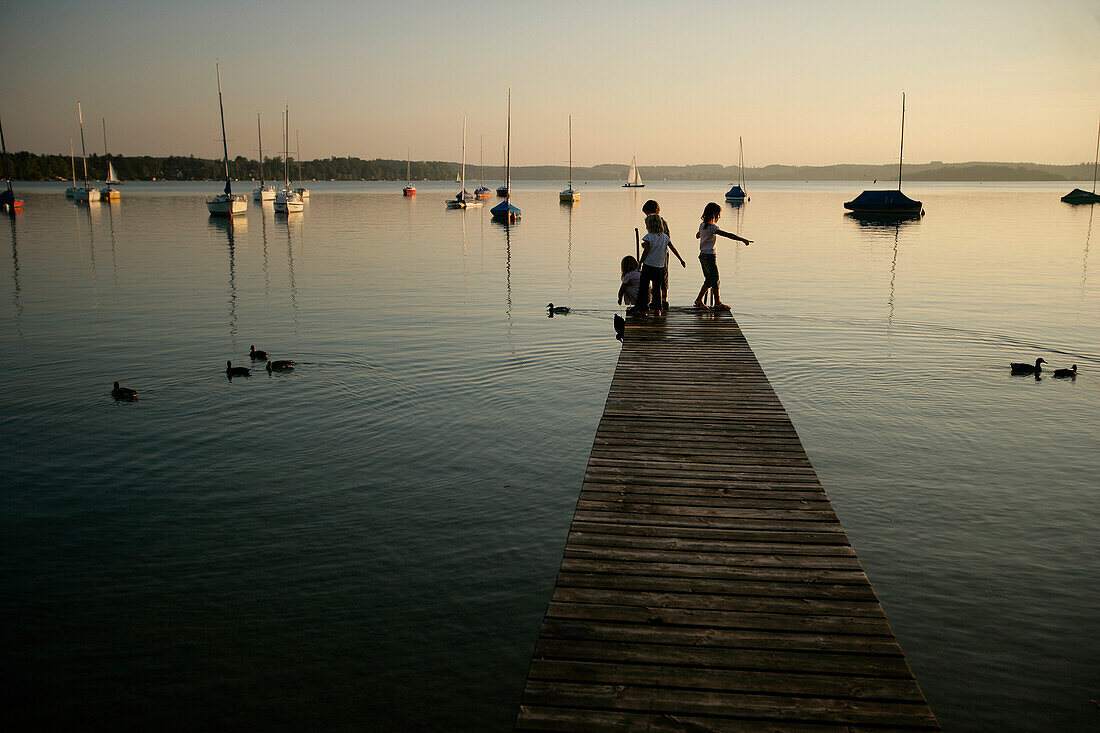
<point x="226" y="203"/>
<point x="302" y="191"/>
<point x="633" y="178"/>
<point x="737" y="193"/>
<point x="107" y="192"/>
<point x="463" y="199"/>
<point x="569" y="195"/>
<point x="888" y="203"/>
<point x="409" y="189"/>
<point x="84" y="194"/>
<point x="505" y="211"/>
<point x="287" y="201"/>
<point x="1080" y="196"/>
<point x="8" y="202"/>
<point x="264" y="192"/>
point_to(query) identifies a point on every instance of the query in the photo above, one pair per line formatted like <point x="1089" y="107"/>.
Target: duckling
<point x="232" y="371"/>
<point x="282" y="365"/>
<point x="560" y="309"/>
<point x="1070" y="373"/>
<point x="620" y="326"/>
<point x="123" y="393"/>
<point x="256" y="353"/>
<point x="1025" y="368"/>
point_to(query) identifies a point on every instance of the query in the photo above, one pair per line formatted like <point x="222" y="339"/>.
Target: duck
<point x="620" y="326"/>
<point x="256" y="353"/>
<point x="1019" y="367"/>
<point x="281" y="365"/>
<point x="123" y="393"/>
<point x="1070" y="373"/>
<point x="560" y="309"/>
<point x="232" y="371"/>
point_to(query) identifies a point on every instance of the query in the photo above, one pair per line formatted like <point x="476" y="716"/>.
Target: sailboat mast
<point x="408" y="167"/>
<point x="72" y="162"/>
<point x="298" y="152"/>
<point x="463" y="191"/>
<point x="225" y="145"/>
<point x="1097" y="159"/>
<point x="7" y="161"/>
<point x="286" y="145"/>
<point x="481" y="171"/>
<point x="901" y="152"/>
<point x="260" y="138"/>
<point x="570" y="152"/>
<point x="740" y="163"/>
<point x="83" y="152"/>
<point x="508" y="151"/>
<point x="106" y="154"/>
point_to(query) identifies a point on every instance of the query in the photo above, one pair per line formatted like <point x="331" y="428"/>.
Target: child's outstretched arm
<point x="731" y="235"/>
<point x="673" y="248"/>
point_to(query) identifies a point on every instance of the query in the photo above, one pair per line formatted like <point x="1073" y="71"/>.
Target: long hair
<point x="629" y="264"/>
<point x="711" y="211"/>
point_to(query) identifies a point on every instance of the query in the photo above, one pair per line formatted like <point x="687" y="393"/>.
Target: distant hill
<point x="32" y="167"/>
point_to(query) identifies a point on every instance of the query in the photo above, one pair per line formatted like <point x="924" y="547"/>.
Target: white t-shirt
<point x="706" y="238"/>
<point x="632" y="280"/>
<point x="658" y="249"/>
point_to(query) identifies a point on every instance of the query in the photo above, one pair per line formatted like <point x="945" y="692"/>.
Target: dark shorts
<point x="710" y="270"/>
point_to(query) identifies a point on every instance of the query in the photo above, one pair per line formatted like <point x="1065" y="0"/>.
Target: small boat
<point x="287" y="201"/>
<point x="568" y="195"/>
<point x="302" y="191"/>
<point x="505" y="211"/>
<point x="226" y="203"/>
<point x="85" y="194"/>
<point x="888" y="203"/>
<point x="264" y="192"/>
<point x="633" y="178"/>
<point x="8" y="202"/>
<point x="737" y="193"/>
<point x="503" y="191"/>
<point x="1077" y="196"/>
<point x="409" y="189"/>
<point x="107" y="193"/>
<point x="463" y="199"/>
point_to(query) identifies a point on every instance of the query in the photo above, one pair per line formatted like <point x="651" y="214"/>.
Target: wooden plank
<point x="706" y="582"/>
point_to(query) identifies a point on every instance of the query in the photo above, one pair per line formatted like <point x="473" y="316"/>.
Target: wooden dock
<point x="707" y="584"/>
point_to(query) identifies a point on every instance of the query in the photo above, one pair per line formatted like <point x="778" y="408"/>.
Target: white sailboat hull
<point x="264" y="193"/>
<point x="86" y="195"/>
<point x="227" y="205"/>
<point x="288" y="202"/>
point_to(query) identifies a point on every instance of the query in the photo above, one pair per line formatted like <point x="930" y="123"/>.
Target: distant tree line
<point x="32" y="167"/>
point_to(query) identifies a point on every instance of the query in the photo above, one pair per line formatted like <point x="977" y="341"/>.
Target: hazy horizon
<point x="803" y="84"/>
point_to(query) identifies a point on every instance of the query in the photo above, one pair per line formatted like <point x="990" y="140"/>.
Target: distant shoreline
<point x="32" y="167"/>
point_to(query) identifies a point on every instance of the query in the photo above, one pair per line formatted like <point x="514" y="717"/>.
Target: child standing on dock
<point x="652" y="208"/>
<point x="655" y="247"/>
<point x="628" y="291"/>
<point x="708" y="230"/>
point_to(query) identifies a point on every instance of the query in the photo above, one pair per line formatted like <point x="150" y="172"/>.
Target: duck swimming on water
<point x="256" y="353"/>
<point x="123" y="393"/>
<point x="1019" y="367"/>
<point x="280" y="365"/>
<point x="232" y="371"/>
<point x="1070" y="373"/>
<point x="559" y="309"/>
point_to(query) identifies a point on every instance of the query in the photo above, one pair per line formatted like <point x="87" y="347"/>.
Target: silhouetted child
<point x="655" y="247"/>
<point x="628" y="291"/>
<point x="708" y="230"/>
<point x="652" y="208"/>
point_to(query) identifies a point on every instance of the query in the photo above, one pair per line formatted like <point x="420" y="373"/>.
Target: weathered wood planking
<point x="707" y="584"/>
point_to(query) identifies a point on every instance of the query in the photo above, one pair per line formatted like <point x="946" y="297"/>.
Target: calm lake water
<point x="370" y="541"/>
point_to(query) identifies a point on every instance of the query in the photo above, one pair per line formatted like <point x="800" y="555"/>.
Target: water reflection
<point x="94" y="214"/>
<point x="290" y="222"/>
<point x="1085" y="261"/>
<point x="227" y="226"/>
<point x="17" y="290"/>
<point x="114" y="208"/>
<point x="263" y="242"/>
<point x="569" y="256"/>
<point x="881" y="223"/>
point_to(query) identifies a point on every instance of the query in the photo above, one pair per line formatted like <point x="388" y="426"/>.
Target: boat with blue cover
<point x="737" y="193"/>
<point x="1080" y="196"/>
<point x="888" y="203"/>
<point x="505" y="211"/>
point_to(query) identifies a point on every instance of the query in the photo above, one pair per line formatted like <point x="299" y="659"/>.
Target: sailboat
<point x="108" y="193"/>
<point x="226" y="203"/>
<point x="301" y="190"/>
<point x="737" y="193"/>
<point x="409" y="189"/>
<point x="483" y="191"/>
<point x="888" y="203"/>
<point x="505" y="211"/>
<point x="463" y="199"/>
<point x="503" y="191"/>
<point x="8" y="202"/>
<point x="633" y="179"/>
<point x="264" y="192"/>
<point x="287" y="201"/>
<point x="85" y="194"/>
<point x="1077" y="196"/>
<point x="568" y="196"/>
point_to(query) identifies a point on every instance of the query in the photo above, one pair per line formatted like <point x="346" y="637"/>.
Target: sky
<point x="802" y="82"/>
